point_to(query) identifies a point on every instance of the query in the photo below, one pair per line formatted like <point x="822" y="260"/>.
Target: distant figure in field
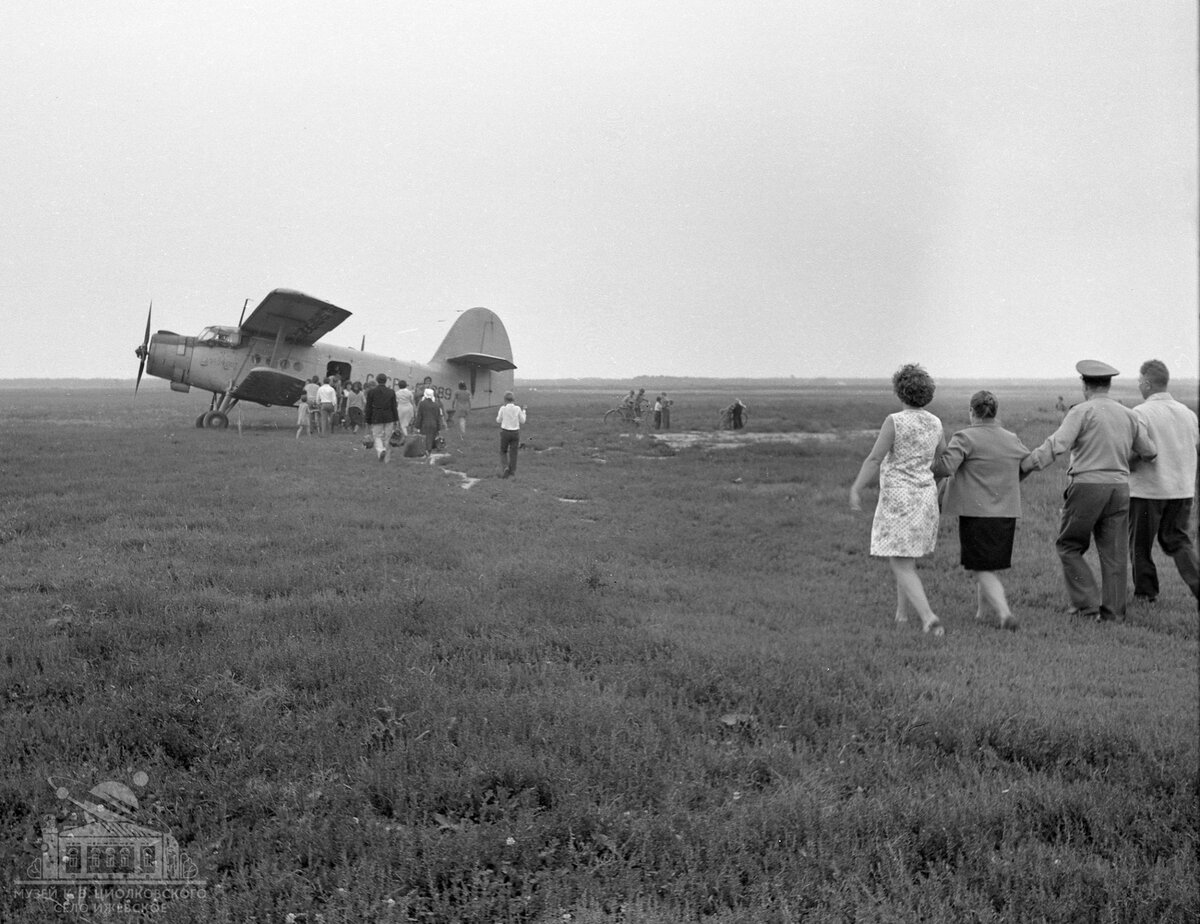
<point x="355" y="400"/>
<point x="1060" y="405"/>
<point x="459" y="408"/>
<point x="629" y="400"/>
<point x="429" y="419"/>
<point x="379" y="411"/>
<point x="405" y="407"/>
<point x="658" y="406"/>
<point x="734" y="416"/>
<point x="1160" y="495"/>
<point x="983" y="463"/>
<point x="666" y="411"/>
<point x="510" y="417"/>
<point x="906" y="517"/>
<point x="639" y="403"/>
<point x="1101" y="435"/>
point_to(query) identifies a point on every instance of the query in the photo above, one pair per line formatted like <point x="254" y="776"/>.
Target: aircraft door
<point x="341" y="370"/>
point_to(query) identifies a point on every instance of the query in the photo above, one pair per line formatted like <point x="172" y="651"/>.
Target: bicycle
<point x="621" y="415"/>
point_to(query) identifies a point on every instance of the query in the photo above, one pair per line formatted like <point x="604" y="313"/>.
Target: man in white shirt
<point x="1161" y="492"/>
<point x="327" y="397"/>
<point x="510" y="417"/>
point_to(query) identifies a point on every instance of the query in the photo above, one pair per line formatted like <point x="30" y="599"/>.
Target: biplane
<point x="269" y="356"/>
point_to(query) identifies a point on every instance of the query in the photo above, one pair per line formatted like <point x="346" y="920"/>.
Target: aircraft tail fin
<point x="478" y="344"/>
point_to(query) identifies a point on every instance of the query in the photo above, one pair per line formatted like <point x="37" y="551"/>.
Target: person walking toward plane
<point x="327" y="398"/>
<point x="1101" y="435"/>
<point x="983" y="464"/>
<point x="355" y="400"/>
<point x="510" y="417"/>
<point x="905" y="525"/>
<point x="459" y="408"/>
<point x="1160" y="494"/>
<point x="311" y="389"/>
<point x="303" y="420"/>
<point x="406" y="407"/>
<point x="379" y="410"/>
<point x="429" y="419"/>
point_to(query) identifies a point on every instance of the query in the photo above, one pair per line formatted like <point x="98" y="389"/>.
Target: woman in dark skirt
<point x="984" y="465"/>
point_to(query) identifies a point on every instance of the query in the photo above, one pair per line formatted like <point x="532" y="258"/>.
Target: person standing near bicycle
<point x="639" y="403"/>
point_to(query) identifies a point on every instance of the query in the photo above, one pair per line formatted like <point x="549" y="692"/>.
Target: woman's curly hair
<point x="913" y="385"/>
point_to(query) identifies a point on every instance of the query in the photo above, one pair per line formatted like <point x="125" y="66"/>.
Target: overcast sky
<point x="806" y="187"/>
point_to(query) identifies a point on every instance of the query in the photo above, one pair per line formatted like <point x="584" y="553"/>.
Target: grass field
<point x="632" y="684"/>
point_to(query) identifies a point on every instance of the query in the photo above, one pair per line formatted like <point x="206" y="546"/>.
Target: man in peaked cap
<point x="1102" y="435"/>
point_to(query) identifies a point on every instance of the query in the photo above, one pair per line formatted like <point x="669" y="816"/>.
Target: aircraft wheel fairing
<point x="215" y="420"/>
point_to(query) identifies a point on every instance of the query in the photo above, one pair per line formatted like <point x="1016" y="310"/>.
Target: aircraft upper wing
<point x="302" y="318"/>
<point x="494" y="363"/>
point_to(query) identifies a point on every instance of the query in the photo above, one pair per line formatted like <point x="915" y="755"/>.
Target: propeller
<point x="144" y="350"/>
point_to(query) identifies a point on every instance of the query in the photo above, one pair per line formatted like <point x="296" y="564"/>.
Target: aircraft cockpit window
<point x="220" y="336"/>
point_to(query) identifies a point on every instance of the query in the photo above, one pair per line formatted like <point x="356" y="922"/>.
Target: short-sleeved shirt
<point x="510" y="416"/>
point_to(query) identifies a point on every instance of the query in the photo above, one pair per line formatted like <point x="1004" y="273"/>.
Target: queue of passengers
<point x="388" y="411"/>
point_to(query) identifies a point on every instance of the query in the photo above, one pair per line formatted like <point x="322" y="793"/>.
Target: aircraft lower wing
<point x="264" y="385"/>
<point x="483" y="361"/>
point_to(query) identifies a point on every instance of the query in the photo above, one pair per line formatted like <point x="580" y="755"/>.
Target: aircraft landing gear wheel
<point x="200" y="421"/>
<point x="215" y="420"/>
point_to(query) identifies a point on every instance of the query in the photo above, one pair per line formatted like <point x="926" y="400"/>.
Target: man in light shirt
<point x="327" y="397"/>
<point x="510" y="417"/>
<point x="1102" y="435"/>
<point x="1160" y="494"/>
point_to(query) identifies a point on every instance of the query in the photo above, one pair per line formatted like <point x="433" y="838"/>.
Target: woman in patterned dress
<point x="906" y="517"/>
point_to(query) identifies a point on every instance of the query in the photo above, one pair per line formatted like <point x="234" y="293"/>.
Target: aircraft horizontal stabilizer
<point x="483" y="361"/>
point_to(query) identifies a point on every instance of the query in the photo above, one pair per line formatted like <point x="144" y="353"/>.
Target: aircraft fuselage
<point x="211" y="364"/>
